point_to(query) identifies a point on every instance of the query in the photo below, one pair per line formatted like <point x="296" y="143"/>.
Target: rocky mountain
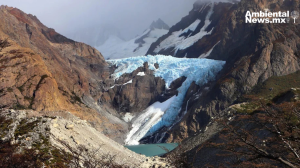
<point x="253" y="53"/>
<point x="114" y="47"/>
<point x="196" y="34"/>
<point x="45" y="71"/>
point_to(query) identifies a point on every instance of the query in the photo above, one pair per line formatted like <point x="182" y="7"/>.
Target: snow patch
<point x="192" y="27"/>
<point x="143" y="123"/>
<point x="128" y="82"/>
<point x="128" y="117"/>
<point x="179" y="42"/>
<point x="141" y="74"/>
<point x="204" y="55"/>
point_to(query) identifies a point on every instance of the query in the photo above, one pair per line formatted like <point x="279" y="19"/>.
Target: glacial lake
<point x="152" y="149"/>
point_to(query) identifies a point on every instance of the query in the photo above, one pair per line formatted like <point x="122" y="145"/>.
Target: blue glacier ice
<point x="170" y="68"/>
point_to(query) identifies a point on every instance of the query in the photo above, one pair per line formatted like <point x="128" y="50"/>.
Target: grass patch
<point x="60" y="158"/>
<point x="276" y="85"/>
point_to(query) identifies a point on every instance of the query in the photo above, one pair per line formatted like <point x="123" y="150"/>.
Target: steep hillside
<point x="44" y="71"/>
<point x="35" y="139"/>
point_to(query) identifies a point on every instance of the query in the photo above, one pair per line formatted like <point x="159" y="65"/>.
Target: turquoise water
<point x="153" y="149"/>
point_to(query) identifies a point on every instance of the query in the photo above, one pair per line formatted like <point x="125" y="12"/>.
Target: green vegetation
<point x="4" y="123"/>
<point x="42" y="153"/>
<point x="60" y="158"/>
<point x="25" y="127"/>
<point x="275" y="89"/>
<point x="19" y="107"/>
<point x="276" y="85"/>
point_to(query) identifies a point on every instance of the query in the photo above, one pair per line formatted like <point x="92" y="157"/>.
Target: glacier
<point x="170" y="68"/>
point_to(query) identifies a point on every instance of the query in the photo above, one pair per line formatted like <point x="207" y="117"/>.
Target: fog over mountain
<point x="128" y="17"/>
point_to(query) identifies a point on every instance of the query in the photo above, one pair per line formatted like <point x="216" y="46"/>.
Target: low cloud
<point x="131" y="17"/>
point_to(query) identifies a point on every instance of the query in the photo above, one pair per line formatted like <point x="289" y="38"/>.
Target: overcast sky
<point x="131" y="17"/>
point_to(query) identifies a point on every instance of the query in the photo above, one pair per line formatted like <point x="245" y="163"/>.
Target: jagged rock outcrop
<point x="133" y="92"/>
<point x="45" y="71"/>
<point x="136" y="91"/>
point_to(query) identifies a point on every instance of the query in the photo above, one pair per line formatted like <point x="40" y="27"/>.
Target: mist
<point x="128" y="17"/>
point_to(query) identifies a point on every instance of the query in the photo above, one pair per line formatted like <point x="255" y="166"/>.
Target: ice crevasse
<point x="170" y="68"/>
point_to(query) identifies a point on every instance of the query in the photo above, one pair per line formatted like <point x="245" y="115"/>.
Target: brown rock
<point x="43" y="70"/>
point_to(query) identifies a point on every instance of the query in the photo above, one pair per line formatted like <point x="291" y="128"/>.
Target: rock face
<point x="45" y="71"/>
<point x="253" y="53"/>
<point x="136" y="91"/>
